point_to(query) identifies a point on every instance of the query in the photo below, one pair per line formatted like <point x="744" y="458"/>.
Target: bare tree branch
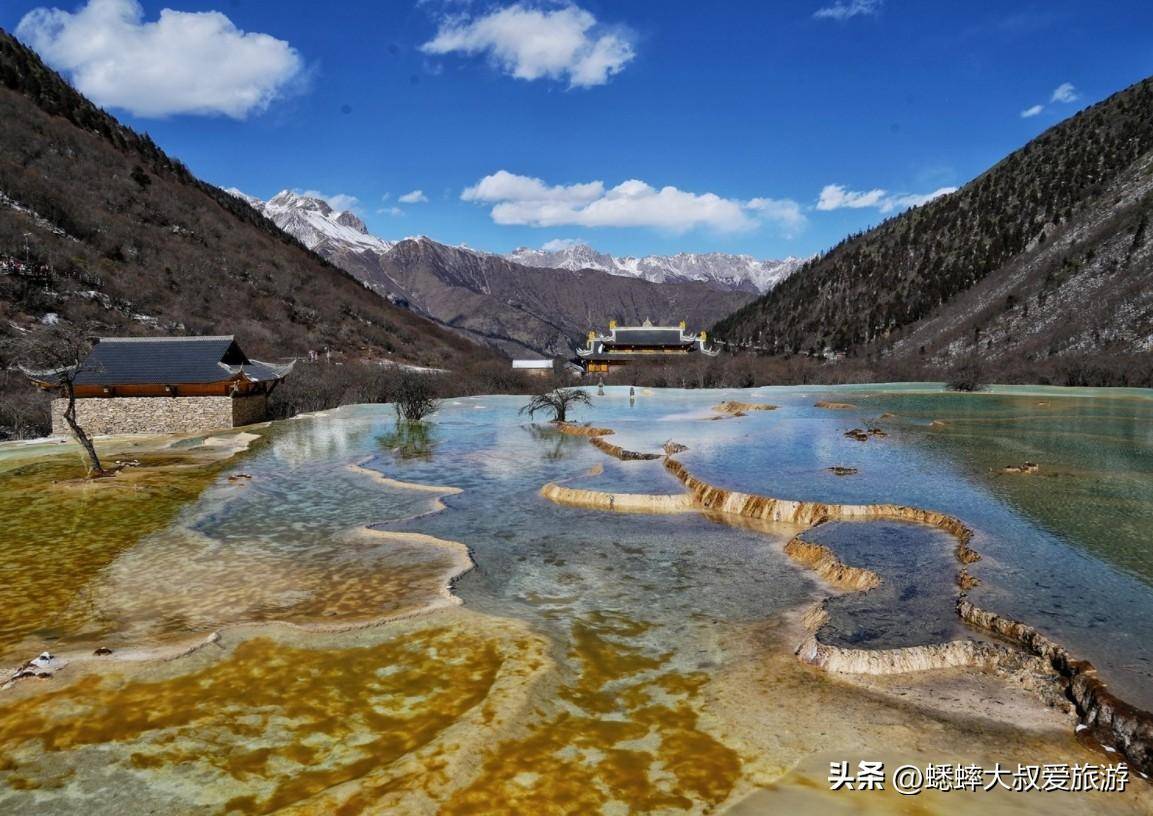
<point x="53" y="358"/>
<point x="558" y="402"/>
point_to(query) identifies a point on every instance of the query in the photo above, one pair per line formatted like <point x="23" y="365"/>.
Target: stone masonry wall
<point x="121" y="415"/>
<point x="249" y="409"/>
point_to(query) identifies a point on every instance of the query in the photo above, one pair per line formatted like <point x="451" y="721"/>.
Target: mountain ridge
<point x="101" y="229"/>
<point x="1082" y="183"/>
<point x="727" y="270"/>
<point x="516" y="308"/>
<point x="313" y="221"/>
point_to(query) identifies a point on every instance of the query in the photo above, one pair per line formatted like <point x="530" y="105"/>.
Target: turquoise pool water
<point x="621" y="595"/>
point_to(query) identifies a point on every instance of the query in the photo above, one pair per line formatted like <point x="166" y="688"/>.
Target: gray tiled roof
<point x="169" y="361"/>
<point x="648" y="337"/>
<point x="609" y="354"/>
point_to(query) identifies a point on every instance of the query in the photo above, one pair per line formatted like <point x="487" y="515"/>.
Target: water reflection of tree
<point x="556" y="444"/>
<point x="409" y="440"/>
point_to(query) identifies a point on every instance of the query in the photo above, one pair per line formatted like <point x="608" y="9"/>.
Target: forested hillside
<point x="1051" y="239"/>
<point x="100" y="228"/>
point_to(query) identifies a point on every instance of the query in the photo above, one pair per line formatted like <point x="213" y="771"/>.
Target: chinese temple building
<point x="631" y="344"/>
<point x="166" y="385"/>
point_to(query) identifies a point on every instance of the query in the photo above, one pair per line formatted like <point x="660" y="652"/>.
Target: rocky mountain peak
<point x="314" y="223"/>
<point x="718" y="269"/>
<point x="350" y="219"/>
<point x="287" y="199"/>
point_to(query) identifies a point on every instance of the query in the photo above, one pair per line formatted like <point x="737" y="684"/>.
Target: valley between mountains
<point x="530" y="302"/>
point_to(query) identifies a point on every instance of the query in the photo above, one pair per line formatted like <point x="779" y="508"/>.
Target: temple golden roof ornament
<point x="646" y="342"/>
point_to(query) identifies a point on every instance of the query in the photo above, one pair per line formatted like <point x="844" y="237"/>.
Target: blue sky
<point x="773" y="128"/>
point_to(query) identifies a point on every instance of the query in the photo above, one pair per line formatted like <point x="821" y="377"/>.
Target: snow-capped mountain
<point x="314" y="223"/>
<point x="515" y="307"/>
<point x="737" y="272"/>
<point x="330" y="232"/>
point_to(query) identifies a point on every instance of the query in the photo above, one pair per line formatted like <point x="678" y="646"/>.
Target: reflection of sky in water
<point x="277" y="546"/>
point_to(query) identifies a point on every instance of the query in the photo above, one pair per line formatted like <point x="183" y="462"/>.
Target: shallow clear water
<point x="637" y="611"/>
<point x="1067" y="549"/>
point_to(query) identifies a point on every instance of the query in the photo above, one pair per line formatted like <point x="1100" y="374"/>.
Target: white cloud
<point x="784" y="212"/>
<point x="845" y="9"/>
<point x="338" y="201"/>
<point x="183" y="63"/>
<point x="560" y="244"/>
<point x="1065" y="92"/>
<point x="505" y="186"/>
<point x="415" y="197"/>
<point x="906" y="200"/>
<point x="526" y="201"/>
<point x="836" y="197"/>
<point x="393" y="211"/>
<point x="565" y="43"/>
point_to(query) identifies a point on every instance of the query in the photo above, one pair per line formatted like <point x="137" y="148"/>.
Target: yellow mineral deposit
<point x="573" y="429"/>
<point x="823" y="561"/>
<point x="269" y="724"/>
<point x="465" y="713"/>
<point x="738" y="408"/>
<point x="649" y="754"/>
<point x="60" y="529"/>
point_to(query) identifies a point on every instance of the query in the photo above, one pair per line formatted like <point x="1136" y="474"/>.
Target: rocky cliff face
<point x="520" y="310"/>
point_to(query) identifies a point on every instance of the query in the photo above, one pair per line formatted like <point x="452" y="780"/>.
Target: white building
<point x="537" y="368"/>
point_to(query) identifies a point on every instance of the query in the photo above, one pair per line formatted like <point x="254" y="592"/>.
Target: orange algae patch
<point x="627" y="736"/>
<point x="59" y="532"/>
<point x="271" y="726"/>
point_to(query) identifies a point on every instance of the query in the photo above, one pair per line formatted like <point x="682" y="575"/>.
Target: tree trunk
<point x="95" y="469"/>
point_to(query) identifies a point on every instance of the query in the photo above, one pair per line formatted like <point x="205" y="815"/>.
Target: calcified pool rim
<point x="1115" y="723"/>
<point x="780" y="655"/>
<point x="219" y="449"/>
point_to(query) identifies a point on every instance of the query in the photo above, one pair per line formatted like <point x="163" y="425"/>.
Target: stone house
<point x="168" y="385"/>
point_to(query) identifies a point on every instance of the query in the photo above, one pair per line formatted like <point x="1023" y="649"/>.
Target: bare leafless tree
<point x="414" y="394"/>
<point x="558" y="402"/>
<point x="54" y="357"/>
